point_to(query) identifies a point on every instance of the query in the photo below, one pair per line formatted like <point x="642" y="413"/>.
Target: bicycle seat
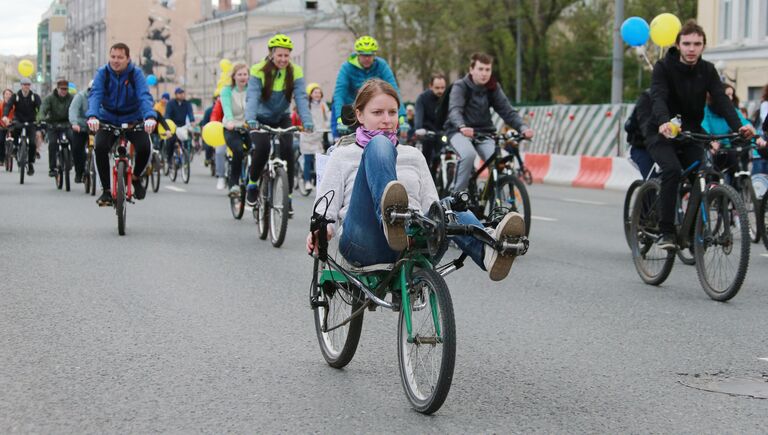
<point x="381" y="267"/>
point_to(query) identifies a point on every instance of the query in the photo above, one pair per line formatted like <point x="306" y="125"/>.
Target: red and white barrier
<point x="615" y="173"/>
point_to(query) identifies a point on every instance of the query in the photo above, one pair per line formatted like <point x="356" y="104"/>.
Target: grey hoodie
<point x="470" y="105"/>
<point x="78" y="108"/>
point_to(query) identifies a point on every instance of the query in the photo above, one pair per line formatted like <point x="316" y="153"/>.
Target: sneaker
<point x="221" y="183"/>
<point x="252" y="195"/>
<point x="139" y="192"/>
<point x="31" y="170"/>
<point x="105" y="200"/>
<point x="78" y="178"/>
<point x="497" y="265"/>
<point x="234" y="191"/>
<point x="206" y="162"/>
<point x="667" y="242"/>
<point x="308" y="186"/>
<point x="52" y="173"/>
<point x="394" y="196"/>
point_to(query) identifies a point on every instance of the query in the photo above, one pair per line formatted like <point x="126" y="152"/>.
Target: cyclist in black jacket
<point x="680" y="83"/>
<point x="425" y="119"/>
<point x="27" y="104"/>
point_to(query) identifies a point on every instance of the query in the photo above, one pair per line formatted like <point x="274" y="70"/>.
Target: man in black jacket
<point x="680" y="83"/>
<point x="426" y="110"/>
<point x="27" y="103"/>
<point x="638" y="123"/>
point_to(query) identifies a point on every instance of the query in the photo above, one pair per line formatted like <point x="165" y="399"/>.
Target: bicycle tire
<point x="58" y="180"/>
<point x="338" y="346"/>
<point x="763" y="218"/>
<point x="237" y="204"/>
<point x="449" y="177"/>
<point x="67" y="167"/>
<point x="733" y="233"/>
<point x="428" y="398"/>
<point x="509" y="187"/>
<point x="87" y="174"/>
<point x="652" y="263"/>
<point x="751" y="205"/>
<point x="186" y="161"/>
<point x="120" y="208"/>
<point x="687" y="256"/>
<point x="173" y="173"/>
<point x="298" y="175"/>
<point x="8" y="156"/>
<point x="21" y="159"/>
<point x="628" y="203"/>
<point x="155" y="173"/>
<point x="262" y="212"/>
<point x="278" y="209"/>
<point x="527" y="176"/>
<point x="94" y="175"/>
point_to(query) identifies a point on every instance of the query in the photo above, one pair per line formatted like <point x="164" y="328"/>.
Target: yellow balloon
<point x="664" y="29"/>
<point x="26" y="68"/>
<point x="225" y="65"/>
<point x="213" y="134"/>
<point x="171" y="126"/>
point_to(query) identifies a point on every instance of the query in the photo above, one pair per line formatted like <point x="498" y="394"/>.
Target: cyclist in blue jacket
<point x="120" y="95"/>
<point x="361" y="66"/>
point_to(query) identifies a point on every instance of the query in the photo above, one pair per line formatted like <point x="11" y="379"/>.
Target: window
<point x="746" y="17"/>
<point x="726" y="20"/>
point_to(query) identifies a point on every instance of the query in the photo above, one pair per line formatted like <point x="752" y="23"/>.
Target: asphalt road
<point x="189" y="323"/>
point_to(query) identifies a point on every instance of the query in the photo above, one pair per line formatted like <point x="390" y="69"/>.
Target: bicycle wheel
<point x="120" y="199"/>
<point x="629" y="201"/>
<point x="652" y="263"/>
<point x="186" y="163"/>
<point x="763" y="217"/>
<point x="512" y="194"/>
<point x="278" y="209"/>
<point x="261" y="213"/>
<point x="66" y="165"/>
<point x="527" y="176"/>
<point x="87" y="174"/>
<point x="336" y="301"/>
<point x="8" y="156"/>
<point x="427" y="361"/>
<point x="298" y="175"/>
<point x="447" y="178"/>
<point x="687" y="256"/>
<point x="751" y="205"/>
<point x="237" y="204"/>
<point x="21" y="159"/>
<point x="722" y="243"/>
<point x="173" y="172"/>
<point x="93" y="175"/>
<point x="155" y="173"/>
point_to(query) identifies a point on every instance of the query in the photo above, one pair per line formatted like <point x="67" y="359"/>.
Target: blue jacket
<point x="179" y="112"/>
<point x="271" y="111"/>
<point x="351" y="78"/>
<point x="118" y="98"/>
<point x="715" y="124"/>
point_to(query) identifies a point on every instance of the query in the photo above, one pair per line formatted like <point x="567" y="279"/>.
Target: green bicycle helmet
<point x="280" y="40"/>
<point x="366" y="45"/>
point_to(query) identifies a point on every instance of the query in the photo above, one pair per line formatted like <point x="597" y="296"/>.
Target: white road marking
<point x="764" y="255"/>
<point x="763" y="359"/>
<point x="542" y="218"/>
<point x="175" y="189"/>
<point x="583" y="201"/>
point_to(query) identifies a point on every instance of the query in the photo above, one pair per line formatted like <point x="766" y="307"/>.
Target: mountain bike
<point x="413" y="287"/>
<point x="90" y="175"/>
<point x="714" y="223"/>
<point x="237" y="203"/>
<point x="502" y="191"/>
<point x="122" y="171"/>
<point x="272" y="210"/>
<point x="180" y="160"/>
<point x="22" y="151"/>
<point x="63" y="164"/>
<point x="742" y="182"/>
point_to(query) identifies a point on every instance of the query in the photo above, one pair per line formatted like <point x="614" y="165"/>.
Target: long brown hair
<point x="270" y="71"/>
<point x="735" y="98"/>
<point x="235" y="68"/>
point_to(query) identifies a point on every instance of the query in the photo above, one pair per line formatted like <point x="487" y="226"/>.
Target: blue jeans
<point x="362" y="240"/>
<point x="642" y="159"/>
<point x="760" y="166"/>
<point x="309" y="166"/>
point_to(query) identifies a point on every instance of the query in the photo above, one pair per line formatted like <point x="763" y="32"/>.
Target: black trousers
<point x="3" y="133"/>
<point x="31" y="134"/>
<point x="235" y="142"/>
<point x="673" y="157"/>
<point x="261" y="151"/>
<point x="54" y="137"/>
<point x="430" y="147"/>
<point x="104" y="141"/>
<point x="79" y="142"/>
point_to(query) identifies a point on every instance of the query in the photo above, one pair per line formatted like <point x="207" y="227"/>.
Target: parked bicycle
<point x="272" y="211"/>
<point x="122" y="171"/>
<point x="714" y="223"/>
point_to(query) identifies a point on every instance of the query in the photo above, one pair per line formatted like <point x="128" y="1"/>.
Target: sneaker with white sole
<point x="497" y="265"/>
<point x="221" y="183"/>
<point x="395" y="196"/>
<point x="308" y="186"/>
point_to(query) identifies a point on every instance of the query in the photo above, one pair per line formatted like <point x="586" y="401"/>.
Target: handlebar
<point x="706" y="137"/>
<point x="267" y="129"/>
<point x="124" y="128"/>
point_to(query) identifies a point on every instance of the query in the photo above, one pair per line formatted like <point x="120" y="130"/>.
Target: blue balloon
<point x="635" y="31"/>
<point x="151" y="80"/>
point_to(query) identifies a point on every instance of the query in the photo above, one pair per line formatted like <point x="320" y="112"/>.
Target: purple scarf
<point x="363" y="136"/>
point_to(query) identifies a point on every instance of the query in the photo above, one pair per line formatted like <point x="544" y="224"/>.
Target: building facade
<point x="50" y="46"/>
<point x="737" y="42"/>
<point x="154" y="30"/>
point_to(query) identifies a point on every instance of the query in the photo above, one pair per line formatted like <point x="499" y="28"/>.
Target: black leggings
<point x="261" y="151"/>
<point x="235" y="141"/>
<point x="79" y="142"/>
<point x="105" y="140"/>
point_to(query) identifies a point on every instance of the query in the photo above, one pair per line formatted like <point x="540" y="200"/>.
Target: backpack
<point x="632" y="127"/>
<point x="441" y="112"/>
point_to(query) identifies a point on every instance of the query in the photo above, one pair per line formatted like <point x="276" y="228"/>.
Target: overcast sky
<point x="18" y="25"/>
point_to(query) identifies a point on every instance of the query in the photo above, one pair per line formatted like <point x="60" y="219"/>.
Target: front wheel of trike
<point x="335" y="304"/>
<point x="427" y="356"/>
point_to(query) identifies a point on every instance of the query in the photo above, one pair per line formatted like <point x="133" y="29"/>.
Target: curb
<point x="613" y="173"/>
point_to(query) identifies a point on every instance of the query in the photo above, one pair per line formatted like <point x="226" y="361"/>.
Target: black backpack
<point x="632" y="127"/>
<point x="441" y="112"/>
